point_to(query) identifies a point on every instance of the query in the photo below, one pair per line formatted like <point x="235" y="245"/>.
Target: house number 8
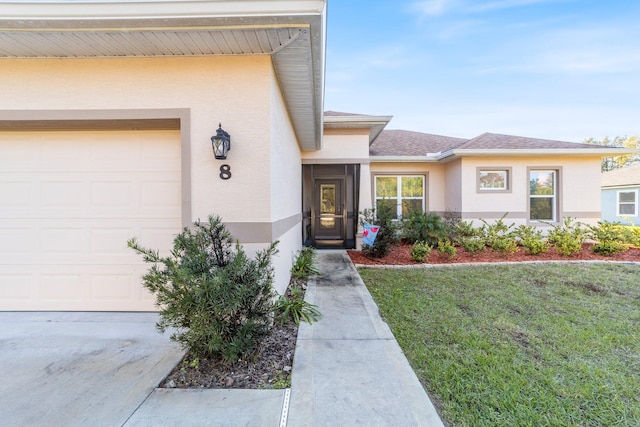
<point x="225" y="172"/>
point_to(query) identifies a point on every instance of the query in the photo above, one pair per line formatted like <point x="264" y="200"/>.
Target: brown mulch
<point x="401" y="255"/>
<point x="270" y="366"/>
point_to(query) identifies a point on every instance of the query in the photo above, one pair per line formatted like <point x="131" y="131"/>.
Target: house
<point x="108" y="119"/>
<point x="533" y="181"/>
<point x="620" y="188"/>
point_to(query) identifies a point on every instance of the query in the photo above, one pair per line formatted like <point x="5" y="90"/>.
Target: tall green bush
<point x="424" y="227"/>
<point x="217" y="300"/>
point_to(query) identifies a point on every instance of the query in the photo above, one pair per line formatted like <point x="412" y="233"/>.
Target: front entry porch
<point x="330" y="205"/>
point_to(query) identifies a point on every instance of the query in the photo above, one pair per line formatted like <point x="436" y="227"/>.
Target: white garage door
<point x="69" y="201"/>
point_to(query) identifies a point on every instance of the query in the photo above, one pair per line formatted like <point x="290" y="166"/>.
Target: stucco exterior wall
<point x="286" y="186"/>
<point x="232" y="90"/>
<point x="240" y="92"/>
<point x="453" y="187"/>
<point x="341" y="146"/>
<point x="579" y="188"/>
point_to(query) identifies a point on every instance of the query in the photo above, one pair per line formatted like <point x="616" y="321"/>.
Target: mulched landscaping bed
<point x="401" y="255"/>
<point x="270" y="366"/>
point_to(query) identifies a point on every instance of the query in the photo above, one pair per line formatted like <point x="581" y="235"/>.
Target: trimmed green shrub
<point x="611" y="237"/>
<point x="531" y="239"/>
<point x="608" y="248"/>
<point x="423" y="227"/>
<point x="447" y="249"/>
<point x="499" y="230"/>
<point x="420" y="251"/>
<point x="218" y="301"/>
<point x="505" y="244"/>
<point x="473" y="244"/>
<point x="463" y="229"/>
<point x="387" y="236"/>
<point x="567" y="238"/>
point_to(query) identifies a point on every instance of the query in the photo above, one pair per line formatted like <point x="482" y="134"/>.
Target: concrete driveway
<point x="79" y="368"/>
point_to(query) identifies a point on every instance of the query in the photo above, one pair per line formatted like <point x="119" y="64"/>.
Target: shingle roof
<point x="621" y="177"/>
<point x="407" y="143"/>
<point x="494" y="141"/>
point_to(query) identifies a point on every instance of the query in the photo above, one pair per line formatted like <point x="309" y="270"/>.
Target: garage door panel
<point x="159" y="194"/>
<point x="17" y="241"/>
<point x="107" y="241"/>
<point x="112" y="287"/>
<point x="69" y="241"/>
<point x="15" y="195"/>
<point x="70" y="201"/>
<point x="61" y="287"/>
<point x="110" y="194"/>
<point x="16" y="287"/>
<point x="62" y="194"/>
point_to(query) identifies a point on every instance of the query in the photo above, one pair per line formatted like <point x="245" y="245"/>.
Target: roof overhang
<point x="580" y="152"/>
<point x="450" y="155"/>
<point x="292" y="32"/>
<point x="404" y="159"/>
<point x="375" y="124"/>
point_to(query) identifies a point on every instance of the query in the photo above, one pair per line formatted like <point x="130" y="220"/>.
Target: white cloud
<point x="565" y="51"/>
<point x="504" y="4"/>
<point x="440" y="7"/>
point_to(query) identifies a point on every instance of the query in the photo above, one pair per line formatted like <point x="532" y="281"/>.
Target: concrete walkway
<point x="348" y="368"/>
<point x="102" y="369"/>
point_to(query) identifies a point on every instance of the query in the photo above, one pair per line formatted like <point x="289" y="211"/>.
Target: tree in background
<point x="618" y="162"/>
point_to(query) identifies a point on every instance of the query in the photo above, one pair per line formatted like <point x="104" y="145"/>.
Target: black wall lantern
<point x="221" y="143"/>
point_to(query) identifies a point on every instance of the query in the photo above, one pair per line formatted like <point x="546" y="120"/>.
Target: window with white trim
<point x="493" y="180"/>
<point x="543" y="195"/>
<point x="627" y="202"/>
<point x="405" y="192"/>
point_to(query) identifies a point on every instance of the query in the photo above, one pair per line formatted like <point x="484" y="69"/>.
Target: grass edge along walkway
<point x="518" y="345"/>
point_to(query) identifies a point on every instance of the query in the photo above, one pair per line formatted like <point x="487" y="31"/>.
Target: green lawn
<point x="520" y="345"/>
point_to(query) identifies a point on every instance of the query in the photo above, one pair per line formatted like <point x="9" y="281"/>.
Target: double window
<point x="543" y="195"/>
<point x="627" y="203"/>
<point x="404" y="193"/>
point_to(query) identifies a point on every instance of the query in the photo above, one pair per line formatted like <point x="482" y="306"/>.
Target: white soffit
<point x="292" y="32"/>
<point x="376" y="124"/>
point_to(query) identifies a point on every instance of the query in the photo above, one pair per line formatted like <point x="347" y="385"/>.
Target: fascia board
<point x="621" y="186"/>
<point x="356" y="121"/>
<point x="404" y="159"/>
<point x="375" y="124"/>
<point x="519" y="152"/>
<point x="45" y="10"/>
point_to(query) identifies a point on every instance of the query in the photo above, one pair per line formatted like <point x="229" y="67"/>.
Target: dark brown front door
<point x="328" y="212"/>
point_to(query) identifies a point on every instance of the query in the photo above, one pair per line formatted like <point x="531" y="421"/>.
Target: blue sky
<point x="555" y="69"/>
